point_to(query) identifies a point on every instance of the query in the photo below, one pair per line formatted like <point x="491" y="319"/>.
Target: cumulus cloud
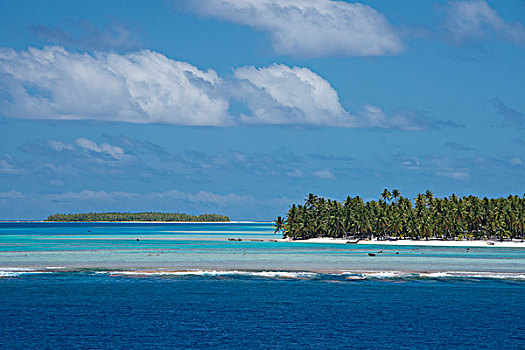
<point x="297" y="173"/>
<point x="114" y="152"/>
<point x="310" y="27"/>
<point x="147" y="87"/>
<point x="279" y="94"/>
<point x="7" y="166"/>
<point x="290" y="95"/>
<point x="456" y="168"/>
<point x="10" y="195"/>
<point x="324" y="174"/>
<point x="78" y="151"/>
<point x="88" y="195"/>
<point x="140" y="87"/>
<point x="204" y="197"/>
<point x="456" y="175"/>
<point x="60" y="146"/>
<point x="407" y="119"/>
<point x="476" y="19"/>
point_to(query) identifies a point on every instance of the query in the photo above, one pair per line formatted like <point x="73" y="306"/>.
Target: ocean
<point x="135" y="286"/>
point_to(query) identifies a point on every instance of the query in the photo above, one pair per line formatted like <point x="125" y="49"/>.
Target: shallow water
<point x="203" y="246"/>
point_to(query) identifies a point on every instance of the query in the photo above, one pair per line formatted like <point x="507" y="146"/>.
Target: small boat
<point x="371" y="254"/>
<point x="355" y="241"/>
<point x="490" y="243"/>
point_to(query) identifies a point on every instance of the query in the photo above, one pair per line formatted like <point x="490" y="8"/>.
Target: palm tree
<point x="396" y="194"/>
<point x="311" y="200"/>
<point x="279" y="225"/>
<point x="386" y="195"/>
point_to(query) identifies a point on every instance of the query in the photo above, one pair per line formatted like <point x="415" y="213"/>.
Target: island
<point x="393" y="217"/>
<point x="142" y="216"/>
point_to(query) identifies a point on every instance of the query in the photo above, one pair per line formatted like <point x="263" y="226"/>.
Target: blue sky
<point x="243" y="107"/>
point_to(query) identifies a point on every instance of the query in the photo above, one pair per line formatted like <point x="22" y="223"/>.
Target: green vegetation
<point x="394" y="216"/>
<point x="144" y="216"/>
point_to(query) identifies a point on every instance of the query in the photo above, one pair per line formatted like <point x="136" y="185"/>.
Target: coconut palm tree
<point x="279" y="225"/>
<point x="386" y="195"/>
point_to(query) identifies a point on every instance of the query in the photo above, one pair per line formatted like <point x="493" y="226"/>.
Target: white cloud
<point x="475" y="19"/>
<point x="407" y="120"/>
<point x="11" y="195"/>
<point x="7" y="166"/>
<point x="204" y="197"/>
<point x="60" y="146"/>
<point x="140" y="87"/>
<point x="324" y="174"/>
<point x="114" y="152"/>
<point x="295" y="173"/>
<point x="279" y="94"/>
<point x="310" y="27"/>
<point x="456" y="175"/>
<point x="147" y="87"/>
<point x="88" y="195"/>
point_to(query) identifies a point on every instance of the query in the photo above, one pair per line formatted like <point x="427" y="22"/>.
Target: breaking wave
<point x="6" y="272"/>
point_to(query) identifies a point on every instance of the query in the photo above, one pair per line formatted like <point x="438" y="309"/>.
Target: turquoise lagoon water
<point x="205" y="246"/>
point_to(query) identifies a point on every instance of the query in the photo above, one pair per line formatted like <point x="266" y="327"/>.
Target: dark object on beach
<point x="138" y="239"/>
<point x="397" y="252"/>
<point x="371" y="254"/>
<point x="353" y="242"/>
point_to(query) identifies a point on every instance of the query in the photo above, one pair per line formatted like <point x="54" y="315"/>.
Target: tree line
<point x="395" y="216"/>
<point x="143" y="216"/>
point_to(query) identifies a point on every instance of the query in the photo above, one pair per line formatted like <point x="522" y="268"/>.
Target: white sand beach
<point x="411" y="242"/>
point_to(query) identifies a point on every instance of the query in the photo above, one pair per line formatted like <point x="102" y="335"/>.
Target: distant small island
<point x="142" y="216"/>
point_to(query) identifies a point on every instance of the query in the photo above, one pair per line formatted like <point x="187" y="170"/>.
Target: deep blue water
<point x="80" y="310"/>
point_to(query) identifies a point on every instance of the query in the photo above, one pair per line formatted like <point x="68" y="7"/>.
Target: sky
<point x="243" y="107"/>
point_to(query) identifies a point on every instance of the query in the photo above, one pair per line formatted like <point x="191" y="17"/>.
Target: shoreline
<point x="411" y="242"/>
<point x="322" y="240"/>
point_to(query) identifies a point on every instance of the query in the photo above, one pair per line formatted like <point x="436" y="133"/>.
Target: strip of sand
<point x="412" y="242"/>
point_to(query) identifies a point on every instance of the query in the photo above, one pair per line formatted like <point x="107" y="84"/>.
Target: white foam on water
<point x="264" y="274"/>
<point x="386" y="274"/>
<point x="473" y="274"/>
<point x="14" y="271"/>
<point x="18" y="271"/>
<point x="432" y="275"/>
<point x="435" y="275"/>
<point x="54" y="267"/>
<point x="376" y="274"/>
